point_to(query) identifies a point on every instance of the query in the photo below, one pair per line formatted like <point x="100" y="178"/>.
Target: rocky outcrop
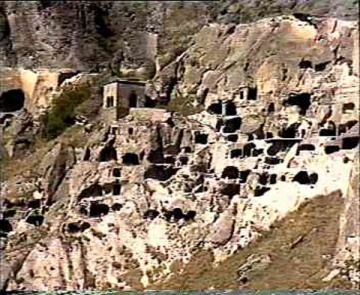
<point x="143" y="193"/>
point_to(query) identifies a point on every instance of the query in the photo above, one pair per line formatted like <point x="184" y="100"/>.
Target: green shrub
<point x="62" y="112"/>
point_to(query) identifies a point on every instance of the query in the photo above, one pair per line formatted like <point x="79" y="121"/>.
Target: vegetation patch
<point x="301" y="246"/>
<point x="63" y="111"/>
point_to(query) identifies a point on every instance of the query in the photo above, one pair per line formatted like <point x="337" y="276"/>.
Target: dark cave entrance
<point x="108" y="154"/>
<point x="349" y="143"/>
<point x="215" y="108"/>
<point x="12" y="100"/>
<point x="130" y="159"/>
<point x="232" y="125"/>
<point x="97" y="210"/>
<point x="302" y="100"/>
<point x="230" y="172"/>
<point x="133" y="100"/>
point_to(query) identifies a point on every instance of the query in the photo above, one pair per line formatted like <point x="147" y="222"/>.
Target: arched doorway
<point x="132" y="100"/>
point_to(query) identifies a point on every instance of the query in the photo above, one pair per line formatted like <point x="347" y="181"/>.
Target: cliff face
<point x="133" y="203"/>
<point x="85" y="35"/>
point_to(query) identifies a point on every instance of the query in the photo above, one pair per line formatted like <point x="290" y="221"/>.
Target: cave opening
<point x="215" y="108"/>
<point x="130" y="159"/>
<point x="252" y="93"/>
<point x="133" y="100"/>
<point x="156" y="156"/>
<point x="260" y="190"/>
<point x="12" y="101"/>
<point x="150" y="103"/>
<point x="107" y="154"/>
<point x="87" y="155"/>
<point x="232" y="125"/>
<point x="272" y="160"/>
<point x="230" y="109"/>
<point x="190" y="215"/>
<point x="36" y="220"/>
<point x="236" y="153"/>
<point x="305" y="64"/>
<point x="263" y="178"/>
<point x="302" y="100"/>
<point x="160" y="172"/>
<point x="9" y="213"/>
<point x="151" y="214"/>
<point x="306" y="147"/>
<point x="116" y="207"/>
<point x="230" y="172"/>
<point x="169" y="159"/>
<point x="232" y="137"/>
<point x="321" y="66"/>
<point x="273" y="178"/>
<point x="5" y="227"/>
<point x="290" y="131"/>
<point x="98" y="209"/>
<point x="348" y="107"/>
<point x="231" y="189"/>
<point x="271" y="108"/>
<point x="117" y="172"/>
<point x="73" y="227"/>
<point x="34" y="204"/>
<point x="349" y="143"/>
<point x="313" y="178"/>
<point x="244" y="174"/>
<point x="330" y="149"/>
<point x="327" y="132"/>
<point x="94" y="190"/>
<point x="116" y="189"/>
<point x="248" y="148"/>
<point x="177" y="214"/>
<point x="303" y="177"/>
<point x="184" y="160"/>
<point x="201" y="138"/>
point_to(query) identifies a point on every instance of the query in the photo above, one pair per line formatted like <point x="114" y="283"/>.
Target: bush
<point x="62" y="113"/>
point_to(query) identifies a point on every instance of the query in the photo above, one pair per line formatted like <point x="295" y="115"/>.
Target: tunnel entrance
<point x="5" y="227"/>
<point x="133" y="99"/>
<point x="302" y="100"/>
<point x="94" y="190"/>
<point x="156" y="156"/>
<point x="160" y="172"/>
<point x="36" y="220"/>
<point x="232" y="137"/>
<point x="12" y="100"/>
<point x="230" y="109"/>
<point x="117" y="172"/>
<point x="117" y="189"/>
<point x="108" y="154"/>
<point x="230" y="172"/>
<point x="151" y="214"/>
<point x="97" y="210"/>
<point x="130" y="159"/>
<point x="252" y="93"/>
<point x="231" y="189"/>
<point x="236" y="153"/>
<point x="329" y="149"/>
<point x="244" y="175"/>
<point x="201" y="138"/>
<point x="215" y="108"/>
<point x="232" y="125"/>
<point x="349" y="143"/>
<point x="303" y="177"/>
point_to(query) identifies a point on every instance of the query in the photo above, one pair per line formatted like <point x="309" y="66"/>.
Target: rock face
<point x="141" y="194"/>
<point x="32" y="33"/>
